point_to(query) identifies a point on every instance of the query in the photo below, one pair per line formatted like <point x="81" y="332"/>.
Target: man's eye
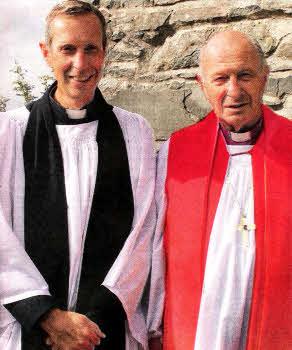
<point x="220" y="79"/>
<point x="244" y="76"/>
<point x="90" y="48"/>
<point x="67" y="49"/>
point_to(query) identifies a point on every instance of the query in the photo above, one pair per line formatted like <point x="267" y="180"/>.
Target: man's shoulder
<point x="12" y="126"/>
<point x="274" y="117"/>
<point x="130" y="120"/>
<point x="138" y="137"/>
<point x="202" y="125"/>
<point x="127" y="115"/>
<point x="18" y="115"/>
<point x="185" y="131"/>
<point x="275" y="124"/>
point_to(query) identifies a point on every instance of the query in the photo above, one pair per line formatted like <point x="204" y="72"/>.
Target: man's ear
<point x="45" y="52"/>
<point x="266" y="73"/>
<point x="200" y="81"/>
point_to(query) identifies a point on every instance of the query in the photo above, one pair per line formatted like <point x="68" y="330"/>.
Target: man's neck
<point x="72" y="113"/>
<point x="71" y="104"/>
<point x="247" y="137"/>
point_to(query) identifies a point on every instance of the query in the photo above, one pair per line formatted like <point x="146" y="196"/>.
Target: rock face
<point x="154" y="46"/>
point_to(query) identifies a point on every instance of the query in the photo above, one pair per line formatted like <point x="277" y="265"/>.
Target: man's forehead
<point x="243" y="58"/>
<point x="223" y="47"/>
<point x="226" y="52"/>
<point x="83" y="27"/>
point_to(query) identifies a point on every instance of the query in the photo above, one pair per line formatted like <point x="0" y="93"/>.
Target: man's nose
<point x="233" y="89"/>
<point x="79" y="60"/>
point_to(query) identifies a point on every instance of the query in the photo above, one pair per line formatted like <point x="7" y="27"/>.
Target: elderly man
<point x="77" y="188"/>
<point x="224" y="205"/>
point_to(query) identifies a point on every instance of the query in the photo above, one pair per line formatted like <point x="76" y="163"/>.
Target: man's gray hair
<point x="74" y="8"/>
<point x="253" y="41"/>
<point x="260" y="52"/>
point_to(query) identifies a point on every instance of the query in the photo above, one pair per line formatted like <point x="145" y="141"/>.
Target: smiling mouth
<point x="82" y="79"/>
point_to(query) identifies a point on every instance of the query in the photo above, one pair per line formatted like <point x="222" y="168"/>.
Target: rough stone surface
<point x="123" y="3"/>
<point x="272" y="101"/>
<point x="179" y="51"/>
<point x="154" y="46"/>
<point x="165" y="2"/>
<point x="284" y="49"/>
<point x="124" y="52"/>
<point x="288" y="102"/>
<point x="195" y="103"/>
<point x="272" y="86"/>
<point x="285" y="86"/>
<point x="164" y="107"/>
<point x="284" y="6"/>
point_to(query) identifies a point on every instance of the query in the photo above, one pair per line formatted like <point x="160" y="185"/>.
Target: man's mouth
<point x="82" y="79"/>
<point x="236" y="105"/>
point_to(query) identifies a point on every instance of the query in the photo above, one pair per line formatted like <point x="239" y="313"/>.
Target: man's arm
<point x="20" y="281"/>
<point x="128" y="275"/>
<point x="105" y="306"/>
<point x="23" y="291"/>
<point x="157" y="288"/>
<point x="28" y="311"/>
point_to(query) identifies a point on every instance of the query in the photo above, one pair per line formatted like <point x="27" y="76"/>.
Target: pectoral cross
<point x="244" y="228"/>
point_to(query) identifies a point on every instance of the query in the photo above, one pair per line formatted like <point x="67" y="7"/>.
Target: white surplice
<point x="226" y="296"/>
<point x="19" y="278"/>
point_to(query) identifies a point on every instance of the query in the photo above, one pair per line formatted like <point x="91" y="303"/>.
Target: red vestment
<point x="197" y="164"/>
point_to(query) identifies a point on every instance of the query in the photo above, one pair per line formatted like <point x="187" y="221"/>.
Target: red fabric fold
<point x="197" y="165"/>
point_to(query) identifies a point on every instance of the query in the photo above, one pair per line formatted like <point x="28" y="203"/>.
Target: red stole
<point x="197" y="164"/>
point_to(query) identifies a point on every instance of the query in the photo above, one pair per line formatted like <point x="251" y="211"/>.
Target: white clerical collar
<point x="76" y="113"/>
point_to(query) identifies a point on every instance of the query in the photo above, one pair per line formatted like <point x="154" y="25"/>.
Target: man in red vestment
<point x="225" y="215"/>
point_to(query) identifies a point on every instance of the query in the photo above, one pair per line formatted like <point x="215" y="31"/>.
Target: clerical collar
<point x="76" y="113"/>
<point x="71" y="116"/>
<point x="243" y="138"/>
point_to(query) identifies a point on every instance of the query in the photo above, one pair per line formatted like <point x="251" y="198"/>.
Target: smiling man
<point x="224" y="214"/>
<point x="77" y="188"/>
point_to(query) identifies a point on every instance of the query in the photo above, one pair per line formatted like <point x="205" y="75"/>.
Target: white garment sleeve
<point x="157" y="289"/>
<point x="128" y="276"/>
<point x="19" y="278"/>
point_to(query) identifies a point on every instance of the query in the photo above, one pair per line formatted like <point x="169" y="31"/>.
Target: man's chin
<point x="81" y="90"/>
<point x="83" y="84"/>
<point x="234" y="122"/>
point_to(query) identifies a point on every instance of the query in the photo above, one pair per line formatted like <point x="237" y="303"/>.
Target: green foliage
<point x="46" y="81"/>
<point x="3" y="101"/>
<point x="20" y="85"/>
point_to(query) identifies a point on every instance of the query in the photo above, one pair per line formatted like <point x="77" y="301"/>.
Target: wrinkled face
<point x="76" y="56"/>
<point x="233" y="81"/>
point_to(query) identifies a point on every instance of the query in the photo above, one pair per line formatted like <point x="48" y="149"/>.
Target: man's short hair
<point x="259" y="50"/>
<point x="74" y="8"/>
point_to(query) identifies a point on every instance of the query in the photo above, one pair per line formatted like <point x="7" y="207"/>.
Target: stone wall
<point x="154" y="47"/>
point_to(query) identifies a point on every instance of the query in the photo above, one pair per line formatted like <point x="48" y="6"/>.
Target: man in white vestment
<point x="76" y="203"/>
<point x="221" y="266"/>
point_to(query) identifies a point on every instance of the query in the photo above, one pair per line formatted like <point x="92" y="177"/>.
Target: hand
<point x="155" y="344"/>
<point x="70" y="331"/>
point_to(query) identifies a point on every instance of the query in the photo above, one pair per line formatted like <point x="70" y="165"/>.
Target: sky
<point x="21" y="29"/>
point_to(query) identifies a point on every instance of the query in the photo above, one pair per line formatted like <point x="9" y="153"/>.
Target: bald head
<point x="230" y="40"/>
<point x="233" y="76"/>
